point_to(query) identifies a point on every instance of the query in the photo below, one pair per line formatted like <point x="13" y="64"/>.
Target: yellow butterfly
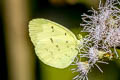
<point x="54" y="44"/>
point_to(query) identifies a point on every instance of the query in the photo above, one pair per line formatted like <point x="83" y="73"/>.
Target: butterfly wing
<point x="54" y="44"/>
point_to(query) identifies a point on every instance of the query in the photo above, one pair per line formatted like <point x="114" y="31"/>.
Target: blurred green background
<point x="17" y="58"/>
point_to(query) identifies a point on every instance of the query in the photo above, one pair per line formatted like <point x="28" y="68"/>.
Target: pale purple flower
<point x="94" y="56"/>
<point x="83" y="69"/>
<point x="103" y="26"/>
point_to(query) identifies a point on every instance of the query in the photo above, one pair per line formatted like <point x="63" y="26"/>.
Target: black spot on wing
<point x="52" y="28"/>
<point x="57" y="46"/>
<point x="51" y="40"/>
<point x="66" y="41"/>
<point x="65" y="34"/>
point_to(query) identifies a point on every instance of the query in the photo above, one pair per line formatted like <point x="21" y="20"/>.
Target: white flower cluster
<point x="103" y="28"/>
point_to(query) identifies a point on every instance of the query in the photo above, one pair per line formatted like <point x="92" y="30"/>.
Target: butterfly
<point x="54" y="44"/>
